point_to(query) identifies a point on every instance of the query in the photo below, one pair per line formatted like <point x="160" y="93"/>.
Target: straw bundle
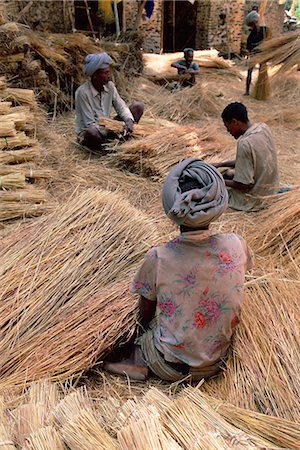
<point x="15" y="210"/>
<point x="21" y="155"/>
<point x="62" y="275"/>
<point x="20" y="96"/>
<point x="6" y="441"/>
<point x="283" y="50"/>
<point x="28" y="418"/>
<point x="200" y="427"/>
<point x="84" y="433"/>
<point x="279" y="233"/>
<point x="21" y="116"/>
<point x="7" y="127"/>
<point x="12" y="181"/>
<point x="275" y="430"/>
<point x="44" y="393"/>
<point x="46" y="438"/>
<point x="31" y="172"/>
<point x="146" y="127"/>
<point x="71" y="405"/>
<point x="262" y="89"/>
<point x="5" y="107"/>
<point x="25" y="196"/>
<point x="19" y="140"/>
<point x="155" y="154"/>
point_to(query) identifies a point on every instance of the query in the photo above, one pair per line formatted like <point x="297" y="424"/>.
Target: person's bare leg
<point x="248" y="81"/>
<point x="137" y="110"/>
<point x="134" y="367"/>
<point x="93" y="138"/>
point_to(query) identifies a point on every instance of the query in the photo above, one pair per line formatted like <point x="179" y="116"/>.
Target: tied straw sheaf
<point x="65" y="300"/>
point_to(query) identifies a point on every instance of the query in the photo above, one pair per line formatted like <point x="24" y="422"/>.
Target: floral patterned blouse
<point x="197" y="280"/>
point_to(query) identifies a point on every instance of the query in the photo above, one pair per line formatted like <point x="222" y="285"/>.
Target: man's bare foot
<point x="247" y="93"/>
<point x="134" y="367"/>
<point x="123" y="368"/>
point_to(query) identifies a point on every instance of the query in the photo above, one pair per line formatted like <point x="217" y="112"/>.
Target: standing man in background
<point x="256" y="37"/>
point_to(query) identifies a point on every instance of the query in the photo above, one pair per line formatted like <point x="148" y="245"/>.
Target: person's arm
<point x="84" y="109"/>
<point x="147" y="310"/>
<point x="122" y="110"/>
<point x="194" y="69"/>
<point x="230" y="164"/>
<point x="178" y="66"/>
<point x="238" y="186"/>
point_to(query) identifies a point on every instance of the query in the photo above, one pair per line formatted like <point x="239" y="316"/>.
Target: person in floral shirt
<point x="192" y="287"/>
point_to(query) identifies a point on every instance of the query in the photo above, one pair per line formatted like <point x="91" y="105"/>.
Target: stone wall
<point x="219" y="25"/>
<point x="152" y="28"/>
<point x="274" y="15"/>
<point x="42" y="15"/>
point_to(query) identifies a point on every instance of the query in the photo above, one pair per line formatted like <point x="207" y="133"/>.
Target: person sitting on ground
<point x="187" y="68"/>
<point x="255" y="173"/>
<point x="256" y="37"/>
<point x="95" y="98"/>
<point x="191" y="289"/>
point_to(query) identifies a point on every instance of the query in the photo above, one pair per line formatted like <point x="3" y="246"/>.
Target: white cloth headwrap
<point x="96" y="61"/>
<point x="253" y="16"/>
<point x="198" y="207"/>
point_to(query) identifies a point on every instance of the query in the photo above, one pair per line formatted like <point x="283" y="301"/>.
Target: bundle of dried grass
<point x="154" y="155"/>
<point x="63" y="275"/>
<point x="20" y="96"/>
<point x="31" y="171"/>
<point x="16" y="210"/>
<point x="19" y="140"/>
<point x="261" y="90"/>
<point x="21" y="116"/>
<point x="5" y="432"/>
<point x="80" y="429"/>
<point x="12" y="181"/>
<point x="24" y="196"/>
<point x="274" y="430"/>
<point x="20" y="155"/>
<point x="46" y="438"/>
<point x="5" y="107"/>
<point x="187" y="104"/>
<point x="279" y="234"/>
<point x="44" y="393"/>
<point x="144" y="128"/>
<point x="7" y="127"/>
<point x="197" y="425"/>
<point x="283" y="50"/>
<point x="28" y="418"/>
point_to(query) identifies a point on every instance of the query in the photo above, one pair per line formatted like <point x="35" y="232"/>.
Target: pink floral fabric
<point x="197" y="280"/>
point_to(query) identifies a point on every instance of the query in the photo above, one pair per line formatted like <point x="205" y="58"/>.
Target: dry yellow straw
<point x="12" y="181"/>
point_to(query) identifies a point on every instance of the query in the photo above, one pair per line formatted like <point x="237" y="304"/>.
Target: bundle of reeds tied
<point x="70" y="272"/>
<point x="283" y="51"/>
<point x="154" y="154"/>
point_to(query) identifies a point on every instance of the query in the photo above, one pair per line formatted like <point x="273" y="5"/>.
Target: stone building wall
<point x="152" y="28"/>
<point x="219" y="24"/>
<point x="43" y="15"/>
<point x="274" y="15"/>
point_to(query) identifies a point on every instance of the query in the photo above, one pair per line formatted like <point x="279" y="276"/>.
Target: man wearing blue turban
<point x="94" y="100"/>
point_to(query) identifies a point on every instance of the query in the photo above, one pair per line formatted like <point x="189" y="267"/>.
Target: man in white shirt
<point x="95" y="98"/>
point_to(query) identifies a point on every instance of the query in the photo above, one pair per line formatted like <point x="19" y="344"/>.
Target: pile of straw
<point x="153" y="155"/>
<point x="187" y="104"/>
<point x="279" y="234"/>
<point x="262" y="90"/>
<point x="61" y="269"/>
<point x="283" y="51"/>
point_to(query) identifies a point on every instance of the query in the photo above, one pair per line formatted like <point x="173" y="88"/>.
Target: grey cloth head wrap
<point x="96" y="61"/>
<point x="253" y="16"/>
<point x="198" y="207"/>
<point x="188" y="49"/>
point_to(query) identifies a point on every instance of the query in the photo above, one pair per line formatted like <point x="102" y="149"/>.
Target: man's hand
<point x="128" y="127"/>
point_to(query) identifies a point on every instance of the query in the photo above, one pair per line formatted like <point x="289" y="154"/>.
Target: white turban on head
<point x="253" y="16"/>
<point x="96" y="61"/>
<point x="195" y="208"/>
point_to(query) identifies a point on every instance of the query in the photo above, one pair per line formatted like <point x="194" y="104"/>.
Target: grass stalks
<point x="11" y="181"/>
